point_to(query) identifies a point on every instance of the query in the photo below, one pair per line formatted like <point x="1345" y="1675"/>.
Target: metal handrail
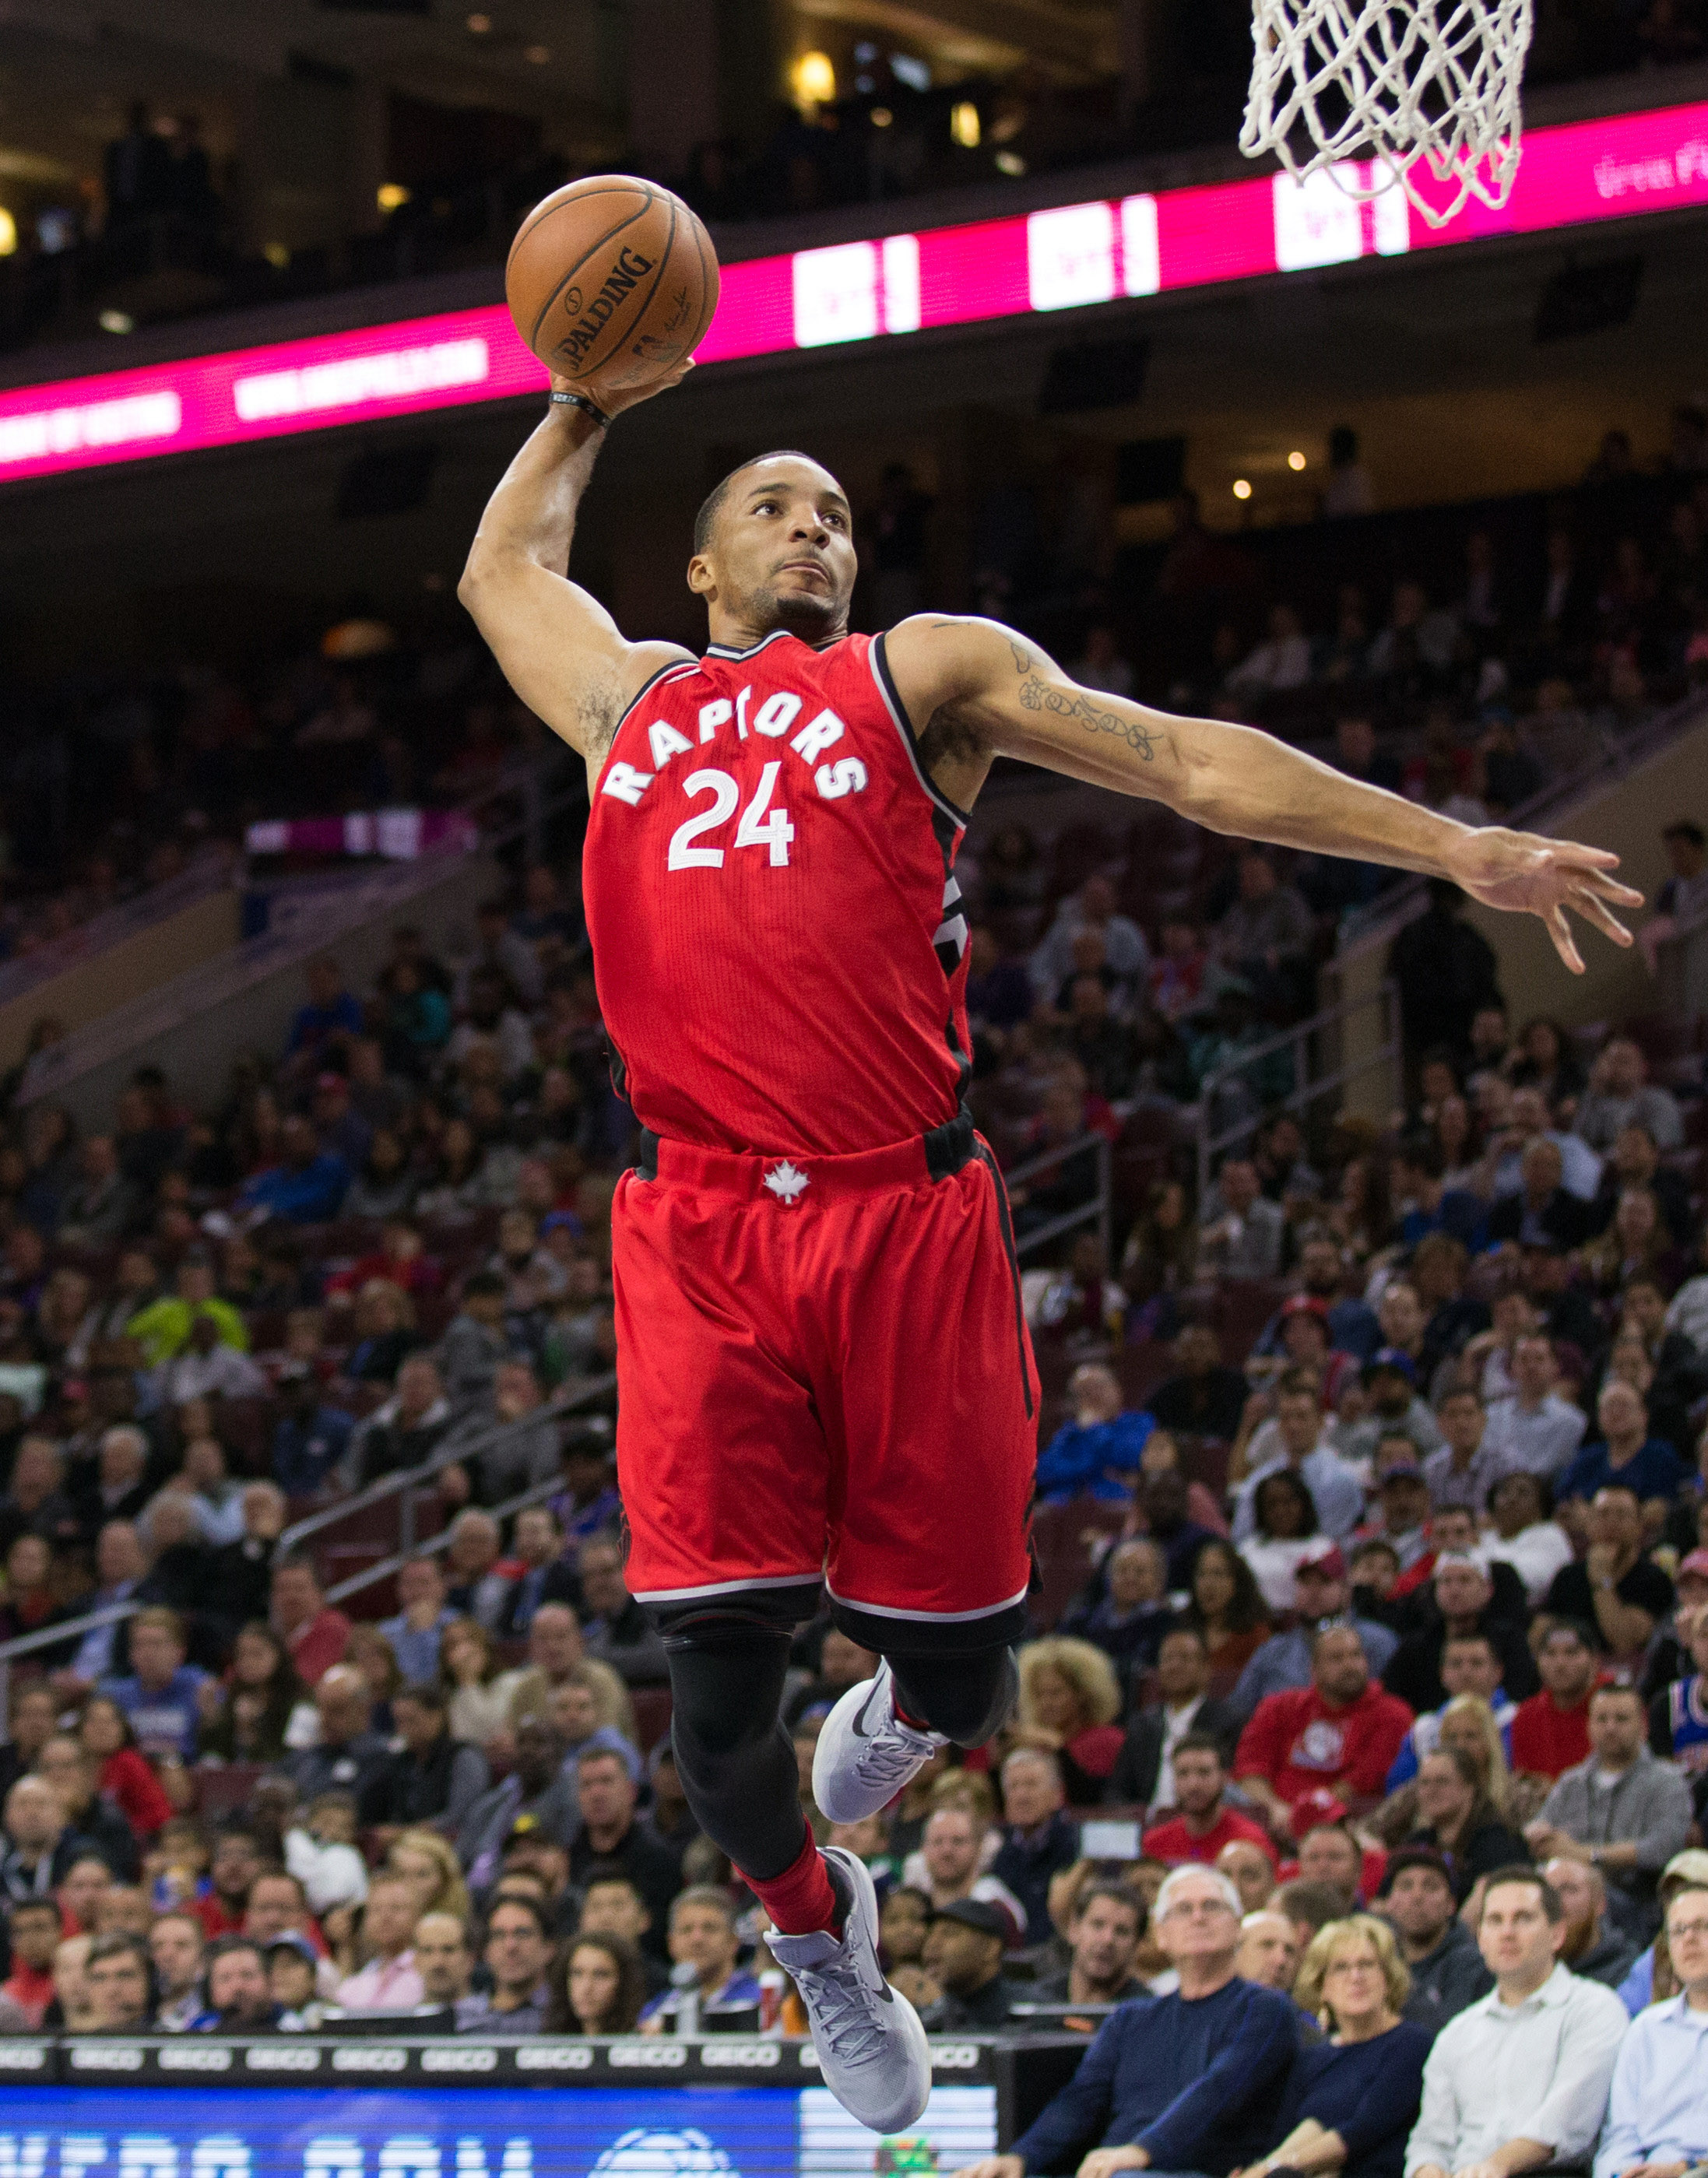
<point x="1304" y="1091"/>
<point x="536" y="1493"/>
<point x="54" y="1636"/>
<point x="1098" y="1208"/>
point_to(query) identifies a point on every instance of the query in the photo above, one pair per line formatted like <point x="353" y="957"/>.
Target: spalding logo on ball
<point x="646" y="2152"/>
<point x="612" y="283"/>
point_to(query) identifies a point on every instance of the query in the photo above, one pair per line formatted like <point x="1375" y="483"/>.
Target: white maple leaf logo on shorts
<point x="787" y="1182"/>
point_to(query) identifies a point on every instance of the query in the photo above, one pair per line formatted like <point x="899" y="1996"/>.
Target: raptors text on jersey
<point x="770" y="884"/>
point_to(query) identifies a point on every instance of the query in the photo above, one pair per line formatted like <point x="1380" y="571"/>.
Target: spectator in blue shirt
<point x="310" y="1439"/>
<point x="161" y="1698"/>
<point x="330" y="1014"/>
<point x="1188" y="2079"/>
<point x="1419" y="1164"/>
<point x="1097" y="1453"/>
<point x="414" y="1631"/>
<point x="1352" y="2098"/>
<point x="308" y="1184"/>
<point x="1624" y="1454"/>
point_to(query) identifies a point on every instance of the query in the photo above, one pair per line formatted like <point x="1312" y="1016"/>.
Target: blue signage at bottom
<point x="585" y="2132"/>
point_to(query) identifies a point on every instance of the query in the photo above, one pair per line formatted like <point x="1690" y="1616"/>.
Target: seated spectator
<point x="1390" y="1384"/>
<point x="34" y="1929"/>
<point x="1224" y="1606"/>
<point x="1462" y="1472"/>
<point x="1336" y="1494"/>
<point x="517" y="1955"/>
<point x="240" y="1576"/>
<point x="1459" y="1821"/>
<point x="702" y="1935"/>
<point x="315" y="1633"/>
<point x="36" y="1502"/>
<point x="1438" y="1949"/>
<point x="1522" y="1534"/>
<point x="538" y="1791"/>
<point x="1613" y="1587"/>
<point x="612" y="1842"/>
<point x="615" y="1629"/>
<point x="1620" y="1095"/>
<point x="1594" y="1946"/>
<point x="1267" y="934"/>
<point x="1427" y="1204"/>
<point x="1068" y="1700"/>
<point x="1657" y="2111"/>
<point x="554" y="1650"/>
<point x="1678" y="1713"/>
<point x="1540" y="2099"/>
<point x="1203" y="1823"/>
<point x="476" y="1586"/>
<point x="1039" y="1839"/>
<point x="1634" y="1161"/>
<point x="161" y="1696"/>
<point x="177" y="1946"/>
<point x="1251" y="1868"/>
<point x="408" y="1428"/>
<point x="964" y="1950"/>
<point x="1270" y="1950"/>
<point x="1203" y="1398"/>
<point x="312" y="1435"/>
<point x="387" y="1980"/>
<point x="1462" y="1601"/>
<point x="473" y="1345"/>
<point x="1092" y="910"/>
<point x="1338" y="1735"/>
<point x="1351" y="2099"/>
<point x="1128" y="1621"/>
<point x="1105" y="1928"/>
<point x="1541" y="1210"/>
<point x="221" y="1905"/>
<point x="1187" y="2079"/>
<point x="1241" y="1234"/>
<point x="1164" y="1509"/>
<point x="120" y="1982"/>
<point x="1144" y="1769"/>
<point x="597" y="1986"/>
<point x="234" y="1983"/>
<point x="413" y="1632"/>
<point x="429" y="1778"/>
<point x="1470" y="1669"/>
<point x="1624" y="1810"/>
<point x="1551" y="1730"/>
<point x="1284" y="1661"/>
<point x="512" y="1443"/>
<point x="952" y="1864"/>
<point x="65" y="1765"/>
<point x="1527" y="1120"/>
<point x="1535" y="1429"/>
<point x="164" y="1329"/>
<point x="1282" y="660"/>
<point x="544" y="1572"/>
<point x="347" y="1755"/>
<point x="1625" y="1454"/>
<point x="307" y="1185"/>
<point x="1097" y="1452"/>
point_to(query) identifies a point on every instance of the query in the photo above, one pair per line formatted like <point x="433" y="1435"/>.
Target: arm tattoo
<point x="1039" y="696"/>
<point x="1022" y="656"/>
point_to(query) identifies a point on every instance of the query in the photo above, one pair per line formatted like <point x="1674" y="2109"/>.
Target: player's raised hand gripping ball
<point x="612" y="283"/>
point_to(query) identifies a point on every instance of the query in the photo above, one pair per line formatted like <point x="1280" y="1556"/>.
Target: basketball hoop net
<point x="1339" y="83"/>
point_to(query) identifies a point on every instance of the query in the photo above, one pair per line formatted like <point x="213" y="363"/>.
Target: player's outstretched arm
<point x="560" y="650"/>
<point x="1000" y="695"/>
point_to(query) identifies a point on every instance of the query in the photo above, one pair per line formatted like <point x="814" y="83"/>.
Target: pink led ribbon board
<point x="1066" y="257"/>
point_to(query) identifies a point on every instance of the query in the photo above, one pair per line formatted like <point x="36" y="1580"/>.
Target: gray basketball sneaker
<point x="866" y="1754"/>
<point x="872" y="2047"/>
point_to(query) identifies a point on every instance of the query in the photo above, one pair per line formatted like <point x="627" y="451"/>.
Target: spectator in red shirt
<point x="1551" y="1730"/>
<point x="34" y="1927"/>
<point x="1204" y="1823"/>
<point x="315" y="1635"/>
<point x="236" y="1862"/>
<point x="1338" y="1735"/>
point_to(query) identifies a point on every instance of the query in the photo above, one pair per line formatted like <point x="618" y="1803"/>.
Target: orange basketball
<point x="611" y="281"/>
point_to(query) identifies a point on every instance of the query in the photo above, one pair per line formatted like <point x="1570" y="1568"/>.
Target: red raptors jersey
<point x="776" y="927"/>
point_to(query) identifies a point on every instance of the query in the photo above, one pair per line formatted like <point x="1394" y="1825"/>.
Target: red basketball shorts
<point x="823" y="1374"/>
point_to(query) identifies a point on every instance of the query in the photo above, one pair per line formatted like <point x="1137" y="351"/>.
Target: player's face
<point x="782" y="551"/>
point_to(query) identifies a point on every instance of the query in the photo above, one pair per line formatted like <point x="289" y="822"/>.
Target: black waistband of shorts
<point x="937" y="1154"/>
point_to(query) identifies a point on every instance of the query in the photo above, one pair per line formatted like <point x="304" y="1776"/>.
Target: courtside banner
<point x="1067" y="256"/>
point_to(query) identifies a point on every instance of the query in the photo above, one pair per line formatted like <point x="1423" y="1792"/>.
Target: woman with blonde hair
<point x="1070" y="1699"/>
<point x="1352" y="2098"/>
<point x="428" y="1864"/>
<point x="1469" y="1723"/>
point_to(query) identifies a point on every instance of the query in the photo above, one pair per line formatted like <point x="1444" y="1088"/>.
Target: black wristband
<point x="580" y="400"/>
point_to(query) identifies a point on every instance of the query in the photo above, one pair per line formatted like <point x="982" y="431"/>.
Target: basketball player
<point x="824" y="1371"/>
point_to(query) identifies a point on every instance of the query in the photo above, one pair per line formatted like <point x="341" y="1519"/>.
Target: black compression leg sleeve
<point x="734" y="1760"/>
<point x="966" y="1698"/>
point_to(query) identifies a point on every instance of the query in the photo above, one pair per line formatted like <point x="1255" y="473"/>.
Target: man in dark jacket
<point x="1038" y="1839"/>
<point x="964" y="1949"/>
<point x="431" y="1778"/>
<point x="1191" y="2078"/>
<point x="1183" y="1680"/>
<point x="1204" y="1399"/>
<point x="1440" y="1952"/>
<point x="1445" y="971"/>
<point x="1464" y="1600"/>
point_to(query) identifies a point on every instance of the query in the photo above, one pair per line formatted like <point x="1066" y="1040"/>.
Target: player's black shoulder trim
<point x="722" y="650"/>
<point x="676" y="666"/>
<point x="893" y="703"/>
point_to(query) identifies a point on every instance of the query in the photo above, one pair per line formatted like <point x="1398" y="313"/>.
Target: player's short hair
<point x="706" y="520"/>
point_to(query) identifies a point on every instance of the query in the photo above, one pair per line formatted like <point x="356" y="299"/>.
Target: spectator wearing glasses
<point x="1657" y="2112"/>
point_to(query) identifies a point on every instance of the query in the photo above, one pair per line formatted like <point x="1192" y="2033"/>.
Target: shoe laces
<point x="892" y="1757"/>
<point x="843" y="2006"/>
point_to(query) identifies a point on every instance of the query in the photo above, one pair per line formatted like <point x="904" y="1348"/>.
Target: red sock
<point x="800" y="1900"/>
